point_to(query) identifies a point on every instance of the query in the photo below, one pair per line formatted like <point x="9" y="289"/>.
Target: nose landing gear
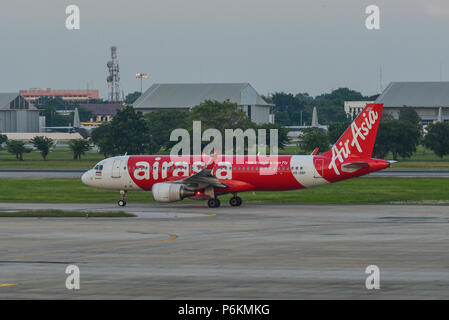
<point x="122" y="201"/>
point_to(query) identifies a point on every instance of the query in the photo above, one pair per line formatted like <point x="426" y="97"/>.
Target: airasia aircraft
<point x="172" y="181"/>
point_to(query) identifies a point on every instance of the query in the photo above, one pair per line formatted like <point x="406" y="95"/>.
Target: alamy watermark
<point x="373" y="280"/>
<point x="72" y="282"/>
<point x="372" y="22"/>
<point x="254" y="153"/>
<point x="73" y="21"/>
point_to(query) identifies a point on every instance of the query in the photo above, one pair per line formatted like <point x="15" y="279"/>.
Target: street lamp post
<point x="141" y="76"/>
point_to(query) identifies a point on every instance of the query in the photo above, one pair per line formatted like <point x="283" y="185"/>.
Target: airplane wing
<point x="354" y="166"/>
<point x="203" y="178"/>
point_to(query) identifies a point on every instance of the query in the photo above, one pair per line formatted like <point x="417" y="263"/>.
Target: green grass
<point x="65" y="214"/>
<point x="355" y="191"/>
<point x="59" y="158"/>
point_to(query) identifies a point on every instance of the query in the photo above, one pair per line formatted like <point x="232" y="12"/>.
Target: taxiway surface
<point x="185" y="251"/>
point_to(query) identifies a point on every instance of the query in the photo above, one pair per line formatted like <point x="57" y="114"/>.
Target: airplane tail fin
<point x="359" y="138"/>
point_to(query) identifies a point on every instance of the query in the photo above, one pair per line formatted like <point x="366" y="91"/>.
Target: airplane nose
<point x="85" y="177"/>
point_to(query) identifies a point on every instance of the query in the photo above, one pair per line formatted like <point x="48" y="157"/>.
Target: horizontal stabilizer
<point x="390" y="162"/>
<point x="354" y="166"/>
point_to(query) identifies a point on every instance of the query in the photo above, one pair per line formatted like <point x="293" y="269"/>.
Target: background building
<point x="186" y="96"/>
<point x="353" y="108"/>
<point x="66" y="95"/>
<point x="429" y="99"/>
<point x="17" y="114"/>
<point x="102" y="112"/>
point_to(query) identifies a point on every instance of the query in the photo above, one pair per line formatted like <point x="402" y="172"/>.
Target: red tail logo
<point x="358" y="140"/>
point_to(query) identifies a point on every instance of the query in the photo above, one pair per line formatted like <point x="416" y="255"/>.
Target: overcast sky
<point x="278" y="45"/>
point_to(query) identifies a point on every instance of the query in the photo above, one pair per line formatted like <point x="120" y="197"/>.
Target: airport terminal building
<point x="188" y="95"/>
<point x="17" y="114"/>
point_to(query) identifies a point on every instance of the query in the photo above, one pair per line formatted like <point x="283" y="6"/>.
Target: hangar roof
<point x="187" y="95"/>
<point x="7" y="97"/>
<point x="415" y="94"/>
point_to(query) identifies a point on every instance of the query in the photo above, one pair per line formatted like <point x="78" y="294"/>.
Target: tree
<point x="79" y="147"/>
<point x="43" y="144"/>
<point x="404" y="139"/>
<point x="283" y="138"/>
<point x="437" y="138"/>
<point x="162" y="122"/>
<point x="409" y="114"/>
<point x="99" y="138"/>
<point x="3" y="139"/>
<point x="16" y="147"/>
<point x="290" y="109"/>
<point x="336" y="129"/>
<point x="400" y="137"/>
<point x="132" y="97"/>
<point x="382" y="145"/>
<point x="220" y="116"/>
<point x="128" y="132"/>
<point x="313" y="138"/>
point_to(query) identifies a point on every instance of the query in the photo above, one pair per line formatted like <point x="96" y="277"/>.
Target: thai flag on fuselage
<point x="99" y="171"/>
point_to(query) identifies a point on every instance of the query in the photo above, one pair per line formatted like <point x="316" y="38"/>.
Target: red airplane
<point x="205" y="177"/>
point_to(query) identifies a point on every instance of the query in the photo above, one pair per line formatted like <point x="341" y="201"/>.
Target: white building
<point x="353" y="108"/>
<point x="188" y="95"/>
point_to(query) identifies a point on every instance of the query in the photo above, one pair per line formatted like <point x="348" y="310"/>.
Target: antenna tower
<point x="113" y="78"/>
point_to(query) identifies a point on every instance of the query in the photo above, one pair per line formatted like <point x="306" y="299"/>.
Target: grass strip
<point x="65" y="214"/>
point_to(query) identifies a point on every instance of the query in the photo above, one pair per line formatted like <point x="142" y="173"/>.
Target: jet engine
<point x="169" y="192"/>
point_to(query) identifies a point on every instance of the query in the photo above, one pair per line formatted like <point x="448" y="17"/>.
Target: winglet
<point x="315" y="151"/>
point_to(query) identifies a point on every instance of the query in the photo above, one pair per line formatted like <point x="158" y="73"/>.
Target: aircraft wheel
<point x="122" y="203"/>
<point x="213" y="203"/>
<point x="235" y="201"/>
<point x="239" y="201"/>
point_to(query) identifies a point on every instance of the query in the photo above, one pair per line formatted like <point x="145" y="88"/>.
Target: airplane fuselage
<point x="287" y="172"/>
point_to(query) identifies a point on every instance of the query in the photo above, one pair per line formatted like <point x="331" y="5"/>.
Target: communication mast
<point x="113" y="78"/>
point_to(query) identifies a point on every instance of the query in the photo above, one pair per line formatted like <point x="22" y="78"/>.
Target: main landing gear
<point x="235" y="201"/>
<point x="213" y="203"/>
<point x="122" y="201"/>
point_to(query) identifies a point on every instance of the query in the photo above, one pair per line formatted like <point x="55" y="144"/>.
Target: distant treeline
<point x="330" y="106"/>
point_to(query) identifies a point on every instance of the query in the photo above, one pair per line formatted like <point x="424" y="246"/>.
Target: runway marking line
<point x="2" y="285"/>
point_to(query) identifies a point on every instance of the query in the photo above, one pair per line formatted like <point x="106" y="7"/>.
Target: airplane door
<point x="116" y="169"/>
<point x="319" y="168"/>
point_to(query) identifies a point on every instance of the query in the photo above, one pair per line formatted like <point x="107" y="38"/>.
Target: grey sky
<point x="283" y="45"/>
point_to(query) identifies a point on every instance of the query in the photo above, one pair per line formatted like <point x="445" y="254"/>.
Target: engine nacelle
<point x="170" y="192"/>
